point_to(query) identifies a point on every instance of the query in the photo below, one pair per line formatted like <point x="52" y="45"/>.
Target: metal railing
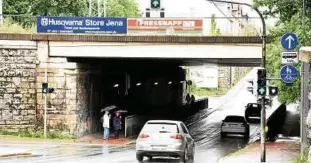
<point x="234" y="26"/>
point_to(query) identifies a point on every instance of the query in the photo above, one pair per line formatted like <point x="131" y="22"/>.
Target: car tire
<point x="139" y="157"/>
<point x="246" y="135"/>
<point x="184" y="157"/>
<point x="192" y="154"/>
<point x="222" y="135"/>
<point x="247" y="117"/>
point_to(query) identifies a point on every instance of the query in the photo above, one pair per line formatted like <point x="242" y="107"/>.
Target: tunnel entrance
<point x="149" y="88"/>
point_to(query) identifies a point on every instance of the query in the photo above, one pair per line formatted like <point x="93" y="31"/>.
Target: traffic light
<point x="273" y="90"/>
<point x="261" y="82"/>
<point x="162" y="13"/>
<point x="51" y="90"/>
<point x="147" y="12"/>
<point x="45" y="87"/>
<point x="155" y="4"/>
<point x="251" y="88"/>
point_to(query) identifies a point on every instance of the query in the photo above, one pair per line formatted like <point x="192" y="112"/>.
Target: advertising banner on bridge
<point x="94" y="25"/>
<point x="165" y="26"/>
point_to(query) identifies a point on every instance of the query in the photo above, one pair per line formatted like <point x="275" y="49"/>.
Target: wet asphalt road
<point x="204" y="127"/>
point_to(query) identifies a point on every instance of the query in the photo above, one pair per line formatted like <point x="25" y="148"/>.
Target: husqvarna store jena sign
<point x="96" y="25"/>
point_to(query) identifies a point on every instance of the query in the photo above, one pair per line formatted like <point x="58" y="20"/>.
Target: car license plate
<point x="159" y="148"/>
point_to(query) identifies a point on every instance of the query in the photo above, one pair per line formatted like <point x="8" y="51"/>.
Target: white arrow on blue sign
<point x="288" y="74"/>
<point x="289" y="41"/>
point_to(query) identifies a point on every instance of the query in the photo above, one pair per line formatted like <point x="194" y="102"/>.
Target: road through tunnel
<point x="150" y="88"/>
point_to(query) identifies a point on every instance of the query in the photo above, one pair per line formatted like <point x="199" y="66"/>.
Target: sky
<point x="199" y="8"/>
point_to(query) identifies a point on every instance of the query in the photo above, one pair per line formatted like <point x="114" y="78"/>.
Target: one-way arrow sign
<point x="289" y="41"/>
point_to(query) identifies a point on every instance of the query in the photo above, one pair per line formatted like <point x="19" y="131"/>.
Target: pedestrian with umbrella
<point x="106" y="121"/>
<point x="117" y="125"/>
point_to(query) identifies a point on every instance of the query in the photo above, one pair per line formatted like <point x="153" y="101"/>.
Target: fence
<point x="246" y="26"/>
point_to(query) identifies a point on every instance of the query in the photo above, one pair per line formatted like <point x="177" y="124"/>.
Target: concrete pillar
<point x="305" y="58"/>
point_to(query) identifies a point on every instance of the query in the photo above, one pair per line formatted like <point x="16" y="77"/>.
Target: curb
<point x="16" y="154"/>
<point x="131" y="142"/>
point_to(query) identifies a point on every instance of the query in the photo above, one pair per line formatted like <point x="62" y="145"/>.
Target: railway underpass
<point x="143" y="77"/>
<point x="147" y="80"/>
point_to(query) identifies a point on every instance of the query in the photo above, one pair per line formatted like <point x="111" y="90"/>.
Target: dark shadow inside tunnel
<point x="155" y="89"/>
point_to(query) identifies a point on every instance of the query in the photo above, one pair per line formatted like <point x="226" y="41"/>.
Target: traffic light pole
<point x="263" y="65"/>
<point x="45" y="101"/>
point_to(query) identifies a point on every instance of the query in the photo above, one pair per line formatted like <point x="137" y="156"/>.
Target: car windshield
<point x="234" y="119"/>
<point x="153" y="127"/>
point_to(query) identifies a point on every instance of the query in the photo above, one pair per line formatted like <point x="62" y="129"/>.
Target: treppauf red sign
<point x="165" y="26"/>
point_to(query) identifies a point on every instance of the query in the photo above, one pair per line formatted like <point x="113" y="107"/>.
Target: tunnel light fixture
<point x="170" y="82"/>
<point x="138" y="84"/>
<point x="156" y="83"/>
<point x="116" y="85"/>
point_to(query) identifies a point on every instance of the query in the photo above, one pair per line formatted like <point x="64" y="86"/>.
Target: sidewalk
<point x="14" y="146"/>
<point x="92" y="139"/>
<point x="281" y="151"/>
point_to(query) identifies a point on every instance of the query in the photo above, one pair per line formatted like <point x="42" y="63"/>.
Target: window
<point x="183" y="127"/>
<point x="160" y="128"/>
<point x="234" y="119"/>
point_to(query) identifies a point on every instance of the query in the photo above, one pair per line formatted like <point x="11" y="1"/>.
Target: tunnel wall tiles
<point x="17" y="89"/>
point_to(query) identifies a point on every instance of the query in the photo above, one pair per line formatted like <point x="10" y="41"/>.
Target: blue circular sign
<point x="288" y="74"/>
<point x="289" y="41"/>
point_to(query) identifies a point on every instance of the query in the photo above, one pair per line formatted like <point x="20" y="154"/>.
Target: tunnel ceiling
<point x="251" y="62"/>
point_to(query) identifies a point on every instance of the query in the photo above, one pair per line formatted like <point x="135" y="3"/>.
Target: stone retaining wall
<point x="17" y="89"/>
<point x="228" y="76"/>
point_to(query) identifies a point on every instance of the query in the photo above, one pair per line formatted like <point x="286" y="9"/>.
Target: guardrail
<point x="133" y="125"/>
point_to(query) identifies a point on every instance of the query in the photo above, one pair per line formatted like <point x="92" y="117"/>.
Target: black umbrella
<point x="108" y="108"/>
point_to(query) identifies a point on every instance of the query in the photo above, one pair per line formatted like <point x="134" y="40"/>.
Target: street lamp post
<point x="263" y="65"/>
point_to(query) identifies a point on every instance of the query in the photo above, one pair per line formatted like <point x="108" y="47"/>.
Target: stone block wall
<point x="228" y="76"/>
<point x="17" y="89"/>
<point x="69" y="107"/>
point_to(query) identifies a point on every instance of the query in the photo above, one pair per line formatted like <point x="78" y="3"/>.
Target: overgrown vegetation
<point x="303" y="158"/>
<point x="24" y="12"/>
<point x="289" y="13"/>
<point x="9" y="26"/>
<point x="193" y="89"/>
<point x="38" y="134"/>
<point x="215" y="31"/>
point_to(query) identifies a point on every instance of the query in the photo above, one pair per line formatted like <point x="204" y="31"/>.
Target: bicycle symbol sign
<point x="288" y="74"/>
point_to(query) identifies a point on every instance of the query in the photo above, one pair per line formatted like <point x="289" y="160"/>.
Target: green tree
<point x="122" y="8"/>
<point x="290" y="21"/>
<point x="214" y="30"/>
<point x="115" y="8"/>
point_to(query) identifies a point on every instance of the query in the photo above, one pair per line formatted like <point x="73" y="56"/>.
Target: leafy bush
<point x="38" y="134"/>
<point x="9" y="26"/>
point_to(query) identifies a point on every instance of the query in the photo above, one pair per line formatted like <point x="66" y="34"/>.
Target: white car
<point x="165" y="138"/>
<point x="234" y="124"/>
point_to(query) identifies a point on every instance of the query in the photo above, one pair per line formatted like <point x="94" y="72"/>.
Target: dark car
<point x="253" y="110"/>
